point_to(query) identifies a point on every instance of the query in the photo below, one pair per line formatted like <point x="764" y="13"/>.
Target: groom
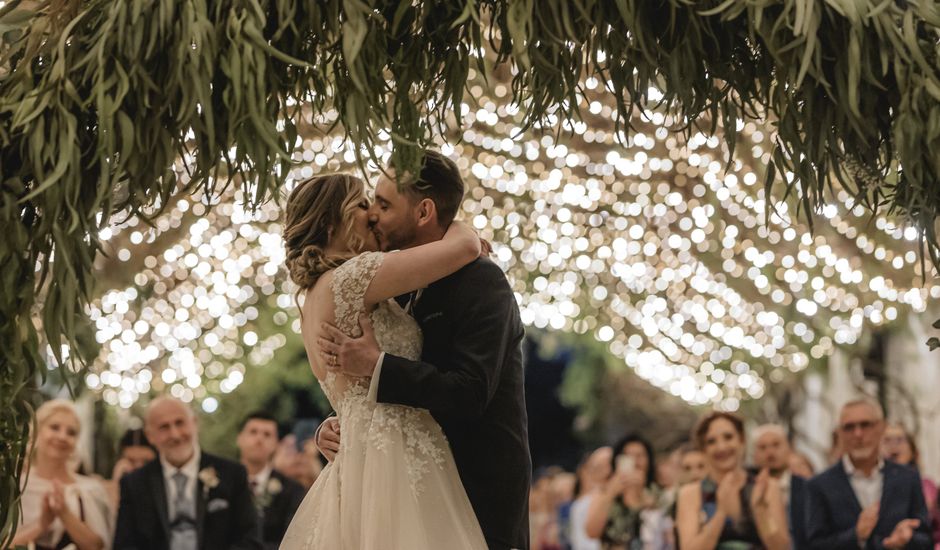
<point x="470" y="375"/>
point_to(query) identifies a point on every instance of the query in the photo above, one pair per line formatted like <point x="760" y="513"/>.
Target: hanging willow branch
<point x="99" y="98"/>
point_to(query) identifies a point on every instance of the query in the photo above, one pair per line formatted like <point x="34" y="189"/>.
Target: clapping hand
<point x="902" y="534"/>
<point x="47" y="515"/>
<point x="53" y="505"/>
<point x="728" y="496"/>
<point x="867" y="521"/>
<point x="760" y="497"/>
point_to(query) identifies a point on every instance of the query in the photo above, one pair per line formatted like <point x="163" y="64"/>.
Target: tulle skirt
<point x="393" y="485"/>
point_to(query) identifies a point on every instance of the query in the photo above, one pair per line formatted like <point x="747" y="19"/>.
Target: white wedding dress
<point x="394" y="483"/>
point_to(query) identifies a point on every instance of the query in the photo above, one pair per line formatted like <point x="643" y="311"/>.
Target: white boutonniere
<point x="209" y="479"/>
<point x="271" y="488"/>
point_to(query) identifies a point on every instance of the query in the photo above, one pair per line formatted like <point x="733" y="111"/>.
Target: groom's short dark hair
<point x="440" y="181"/>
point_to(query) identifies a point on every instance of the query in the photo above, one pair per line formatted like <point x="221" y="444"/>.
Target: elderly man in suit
<point x="276" y="496"/>
<point x="863" y="501"/>
<point x="772" y="452"/>
<point x="185" y="499"/>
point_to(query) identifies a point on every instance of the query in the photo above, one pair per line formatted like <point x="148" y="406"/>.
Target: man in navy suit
<point x="186" y="499"/>
<point x="772" y="451"/>
<point x="863" y="501"/>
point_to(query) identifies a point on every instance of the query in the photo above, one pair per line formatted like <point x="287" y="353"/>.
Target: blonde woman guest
<point x="61" y="508"/>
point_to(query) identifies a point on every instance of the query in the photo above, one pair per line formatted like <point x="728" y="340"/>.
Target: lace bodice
<point x="396" y="332"/>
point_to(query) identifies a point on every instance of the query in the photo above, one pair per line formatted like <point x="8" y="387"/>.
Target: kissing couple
<point x="415" y="337"/>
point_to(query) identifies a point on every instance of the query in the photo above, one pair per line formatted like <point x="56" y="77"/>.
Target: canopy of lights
<point x="648" y="241"/>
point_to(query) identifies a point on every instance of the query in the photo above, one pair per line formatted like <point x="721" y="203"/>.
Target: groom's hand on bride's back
<point x="350" y="356"/>
<point x="328" y="438"/>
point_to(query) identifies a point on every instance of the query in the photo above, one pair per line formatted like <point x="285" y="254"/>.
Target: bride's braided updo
<point x="320" y="209"/>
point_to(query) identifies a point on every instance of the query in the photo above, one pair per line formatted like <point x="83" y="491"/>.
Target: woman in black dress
<point x="731" y="509"/>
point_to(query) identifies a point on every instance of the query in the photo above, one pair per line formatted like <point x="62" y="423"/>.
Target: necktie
<point x="183" y="527"/>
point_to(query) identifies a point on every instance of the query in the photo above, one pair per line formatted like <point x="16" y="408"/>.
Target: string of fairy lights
<point x="648" y="242"/>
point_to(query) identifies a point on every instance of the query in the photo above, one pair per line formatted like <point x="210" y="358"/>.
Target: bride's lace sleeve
<point x="349" y="285"/>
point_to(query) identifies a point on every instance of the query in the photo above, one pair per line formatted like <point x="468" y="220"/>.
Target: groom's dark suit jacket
<point x="225" y="515"/>
<point x="471" y="379"/>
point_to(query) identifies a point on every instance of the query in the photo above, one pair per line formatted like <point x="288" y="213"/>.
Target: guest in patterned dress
<point x="624" y="515"/>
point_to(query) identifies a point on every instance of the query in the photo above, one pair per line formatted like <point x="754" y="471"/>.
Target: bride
<point x="394" y="483"/>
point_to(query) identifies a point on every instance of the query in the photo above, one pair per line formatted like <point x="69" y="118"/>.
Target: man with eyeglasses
<point x="863" y="501"/>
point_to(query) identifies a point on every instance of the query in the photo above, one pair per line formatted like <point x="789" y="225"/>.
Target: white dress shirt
<point x="867" y="489"/>
<point x="190" y="470"/>
<point x="260" y="481"/>
<point x="786" y="481"/>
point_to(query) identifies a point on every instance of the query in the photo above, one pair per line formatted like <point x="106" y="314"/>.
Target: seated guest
<point x="133" y="452"/>
<point x="731" y="508"/>
<point x="59" y="507"/>
<point x="624" y="514"/>
<point x="863" y="501"/>
<point x="592" y="475"/>
<point x="187" y="499"/>
<point x="899" y="447"/>
<point x="276" y="497"/>
<point x="772" y="452"/>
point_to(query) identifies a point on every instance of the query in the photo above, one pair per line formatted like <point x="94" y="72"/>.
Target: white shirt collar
<point x="190" y="469"/>
<point x="852" y="471"/>
<point x="261" y="479"/>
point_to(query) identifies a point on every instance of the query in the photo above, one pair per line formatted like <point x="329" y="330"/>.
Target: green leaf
<point x="933" y="343"/>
